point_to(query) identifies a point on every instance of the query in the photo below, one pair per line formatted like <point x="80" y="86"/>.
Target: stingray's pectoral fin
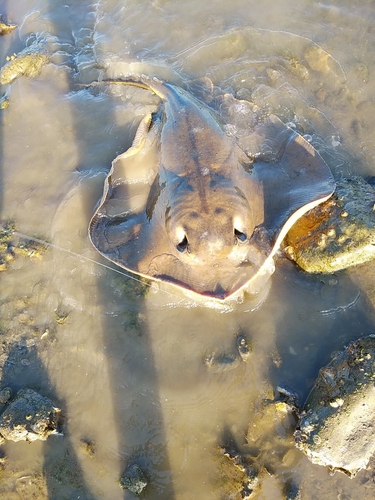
<point x="307" y="171"/>
<point x="111" y="237"/>
<point x="305" y="179"/>
<point x="131" y="166"/>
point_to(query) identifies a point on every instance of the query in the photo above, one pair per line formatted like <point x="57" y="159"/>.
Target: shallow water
<point x="128" y="367"/>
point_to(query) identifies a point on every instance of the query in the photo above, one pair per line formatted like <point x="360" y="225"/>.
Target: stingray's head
<point x="208" y="225"/>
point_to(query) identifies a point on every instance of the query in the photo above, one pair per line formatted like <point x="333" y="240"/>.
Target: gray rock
<point x="29" y="417"/>
<point x="336" y="426"/>
<point x="133" y="479"/>
<point x="338" y="233"/>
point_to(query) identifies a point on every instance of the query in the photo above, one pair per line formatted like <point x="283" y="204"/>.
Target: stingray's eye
<point x="182" y="246"/>
<point x="239" y="236"/>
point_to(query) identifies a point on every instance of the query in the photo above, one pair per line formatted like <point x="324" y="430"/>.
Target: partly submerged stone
<point x="28" y="62"/>
<point x="29" y="417"/>
<point x="336" y="426"/>
<point x="6" y="28"/>
<point x="133" y="479"/>
<point x="338" y="233"/>
<point x="5" y="395"/>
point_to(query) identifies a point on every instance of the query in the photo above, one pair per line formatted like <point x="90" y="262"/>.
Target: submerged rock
<point x="5" y="395"/>
<point x="338" y="233"/>
<point x="28" y="62"/>
<point x="29" y="417"/>
<point x="295" y="66"/>
<point x="243" y="472"/>
<point x="318" y="59"/>
<point x="133" y="479"/>
<point x="221" y="362"/>
<point x="236" y="479"/>
<point x="336" y="427"/>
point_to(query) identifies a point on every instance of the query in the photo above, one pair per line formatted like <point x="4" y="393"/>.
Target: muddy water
<point x="127" y="364"/>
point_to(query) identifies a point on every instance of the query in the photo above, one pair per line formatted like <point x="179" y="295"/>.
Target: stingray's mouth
<point x="216" y="279"/>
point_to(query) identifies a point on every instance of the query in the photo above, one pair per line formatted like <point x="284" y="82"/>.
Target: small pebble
<point x="243" y="347"/>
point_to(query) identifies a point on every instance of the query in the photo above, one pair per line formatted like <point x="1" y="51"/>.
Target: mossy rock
<point x="28" y="62"/>
<point x="337" y="234"/>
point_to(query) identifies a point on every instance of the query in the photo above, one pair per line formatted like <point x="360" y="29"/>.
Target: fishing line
<point x="75" y="254"/>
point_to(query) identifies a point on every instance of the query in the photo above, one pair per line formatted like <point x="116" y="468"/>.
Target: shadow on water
<point x="23" y="369"/>
<point x="133" y="383"/>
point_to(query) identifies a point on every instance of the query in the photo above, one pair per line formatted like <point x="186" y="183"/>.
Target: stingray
<point x="203" y="205"/>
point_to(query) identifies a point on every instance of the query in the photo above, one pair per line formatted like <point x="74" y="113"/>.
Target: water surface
<point x="128" y="367"/>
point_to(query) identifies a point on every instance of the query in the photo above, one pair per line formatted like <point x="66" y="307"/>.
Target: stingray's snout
<point x="213" y="244"/>
<point x="222" y="231"/>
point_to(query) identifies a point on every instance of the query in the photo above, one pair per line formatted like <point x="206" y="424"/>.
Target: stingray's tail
<point x="154" y="85"/>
